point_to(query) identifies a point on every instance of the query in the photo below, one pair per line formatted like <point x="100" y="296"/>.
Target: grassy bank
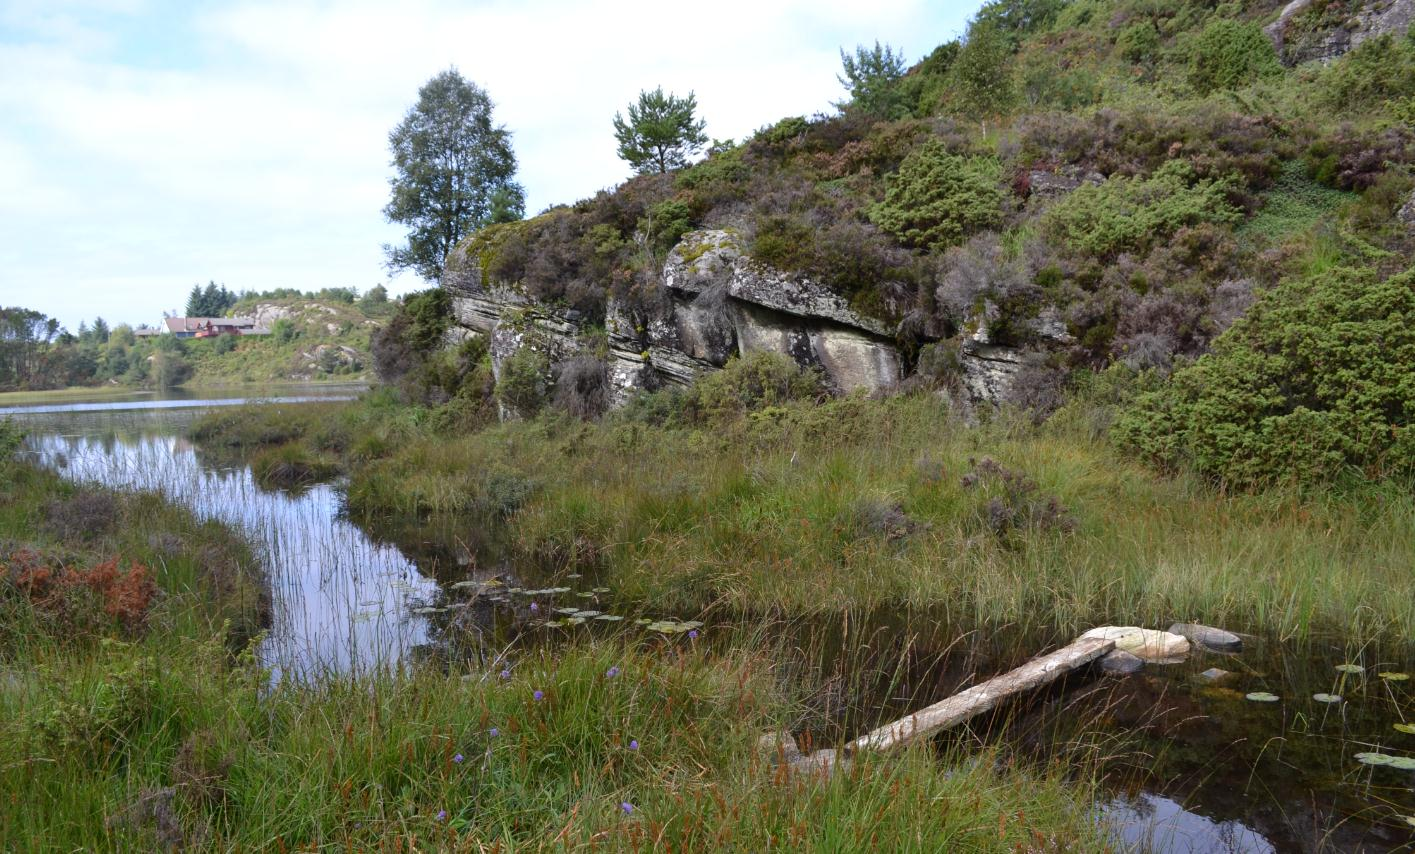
<point x="133" y="716"/>
<point x="860" y="503"/>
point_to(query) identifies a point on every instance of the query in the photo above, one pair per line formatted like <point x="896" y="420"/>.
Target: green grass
<point x="172" y="736"/>
<point x="774" y="511"/>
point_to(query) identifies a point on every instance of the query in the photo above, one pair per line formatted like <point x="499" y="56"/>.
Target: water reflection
<point x="1153" y="823"/>
<point x="342" y="602"/>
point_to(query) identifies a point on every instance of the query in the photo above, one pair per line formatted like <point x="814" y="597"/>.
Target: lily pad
<point x="643" y="621"/>
<point x="1399" y="763"/>
<point x="567" y="610"/>
<point x="553" y="624"/>
<point x="609" y="618"/>
<point x="585" y="595"/>
<point x="428" y="610"/>
<point x="599" y="589"/>
<point x="1394" y="677"/>
<point x="574" y="621"/>
<point x="588" y="614"/>
<point x="1262" y="697"/>
<point x="574" y="575"/>
<point x="1327" y="698"/>
<point x="1369" y="758"/>
<point x="556" y="590"/>
<point x="461" y="585"/>
<point x="1408" y="729"/>
<point x="1350" y="668"/>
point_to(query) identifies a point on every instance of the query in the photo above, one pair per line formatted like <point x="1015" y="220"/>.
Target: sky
<point x="148" y="145"/>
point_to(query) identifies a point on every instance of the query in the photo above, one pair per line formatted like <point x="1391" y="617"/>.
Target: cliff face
<point x="717" y="303"/>
<point x="1308" y="31"/>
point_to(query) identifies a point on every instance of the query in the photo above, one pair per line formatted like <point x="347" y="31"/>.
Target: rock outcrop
<point x="717" y="303"/>
<point x="1304" y="32"/>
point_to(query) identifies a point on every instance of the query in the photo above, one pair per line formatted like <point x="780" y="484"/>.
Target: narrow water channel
<point x="1192" y="765"/>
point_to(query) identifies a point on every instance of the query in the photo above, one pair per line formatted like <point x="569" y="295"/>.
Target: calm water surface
<point x="1194" y="767"/>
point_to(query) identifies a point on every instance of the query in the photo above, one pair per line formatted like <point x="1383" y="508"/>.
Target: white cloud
<point x="146" y="147"/>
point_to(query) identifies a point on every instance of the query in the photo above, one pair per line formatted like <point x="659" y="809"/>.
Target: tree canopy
<point x="872" y="75"/>
<point x="211" y="301"/>
<point x="660" y="133"/>
<point x="455" y="173"/>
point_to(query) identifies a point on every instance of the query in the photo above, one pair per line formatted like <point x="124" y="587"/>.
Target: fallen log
<point x="965" y="704"/>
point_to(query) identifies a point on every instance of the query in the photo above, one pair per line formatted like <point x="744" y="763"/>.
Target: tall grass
<point x="174" y="737"/>
<point x="773" y="511"/>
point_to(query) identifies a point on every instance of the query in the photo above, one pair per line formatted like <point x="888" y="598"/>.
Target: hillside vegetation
<point x="314" y="337"/>
<point x="1102" y="184"/>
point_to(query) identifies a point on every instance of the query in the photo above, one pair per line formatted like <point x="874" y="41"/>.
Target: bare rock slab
<point x="1151" y="645"/>
<point x="1208" y="637"/>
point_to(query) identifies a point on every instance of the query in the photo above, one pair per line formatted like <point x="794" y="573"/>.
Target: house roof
<point x="196" y="324"/>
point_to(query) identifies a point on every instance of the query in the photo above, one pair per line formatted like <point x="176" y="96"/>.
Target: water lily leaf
<point x="1400" y="763"/>
<point x="574" y="575"/>
<point x="515" y="590"/>
<point x="1350" y="668"/>
<point x="1394" y="677"/>
<point x="599" y="589"/>
<point x="671" y="627"/>
<point x="554" y="624"/>
<point x="692" y="624"/>
<point x="1262" y="697"/>
<point x="585" y="595"/>
<point x="588" y="614"/>
<point x="1408" y="729"/>
<point x="643" y="621"/>
<point x="462" y="585"/>
<point x="1327" y="698"/>
<point x="428" y="610"/>
<point x="575" y="621"/>
<point x="556" y="590"/>
<point x="609" y="618"/>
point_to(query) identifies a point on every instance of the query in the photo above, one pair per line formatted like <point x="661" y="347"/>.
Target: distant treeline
<point x="213" y="300"/>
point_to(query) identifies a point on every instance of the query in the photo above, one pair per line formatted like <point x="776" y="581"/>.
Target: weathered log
<point x="966" y="704"/>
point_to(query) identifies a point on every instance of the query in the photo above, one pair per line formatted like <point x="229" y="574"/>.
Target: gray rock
<point x="1214" y="675"/>
<point x="1120" y="661"/>
<point x="1374" y="18"/>
<point x="1208" y="637"/>
<point x="1406" y="214"/>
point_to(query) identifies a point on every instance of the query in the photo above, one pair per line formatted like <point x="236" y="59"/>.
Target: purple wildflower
<point x="693" y="635"/>
<point x="612" y="672"/>
<point x="505" y="674"/>
<point x="539" y="695"/>
<point x="534" y="607"/>
<point x="441" y="814"/>
<point x="627" y="807"/>
<point x="633" y="744"/>
<point x="458" y="759"/>
<point x="493" y="732"/>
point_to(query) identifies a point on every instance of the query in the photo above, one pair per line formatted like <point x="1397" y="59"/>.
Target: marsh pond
<point x="1280" y="751"/>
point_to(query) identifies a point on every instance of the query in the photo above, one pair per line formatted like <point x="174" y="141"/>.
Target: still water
<point x="1191" y="764"/>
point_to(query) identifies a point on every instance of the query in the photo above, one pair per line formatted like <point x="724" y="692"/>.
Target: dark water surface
<point x="1192" y="766"/>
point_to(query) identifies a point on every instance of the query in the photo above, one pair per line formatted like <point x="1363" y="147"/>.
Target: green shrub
<point x="748" y="384"/>
<point x="1317" y="377"/>
<point x="937" y="198"/>
<point x="1133" y="214"/>
<point x="1229" y="54"/>
<point x="1381" y="69"/>
<point x="1139" y="42"/>
<point x="523" y="385"/>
